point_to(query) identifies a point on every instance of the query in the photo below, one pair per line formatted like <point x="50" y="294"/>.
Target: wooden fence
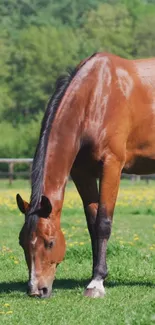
<point x="12" y="173"/>
<point x="11" y="163"/>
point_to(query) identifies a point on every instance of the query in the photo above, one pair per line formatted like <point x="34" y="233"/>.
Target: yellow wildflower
<point x="9" y="312"/>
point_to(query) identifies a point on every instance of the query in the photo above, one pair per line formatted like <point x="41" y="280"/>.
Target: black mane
<point x="39" y="158"/>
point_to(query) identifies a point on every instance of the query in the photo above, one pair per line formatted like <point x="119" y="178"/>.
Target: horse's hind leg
<point x="87" y="188"/>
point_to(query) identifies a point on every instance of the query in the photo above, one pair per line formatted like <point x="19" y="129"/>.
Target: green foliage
<point x="38" y="57"/>
<point x="19" y="141"/>
<point x="40" y="40"/>
<point x="5" y="99"/>
<point x="8" y="145"/>
<point x="144" y="36"/>
<point x="108" y="29"/>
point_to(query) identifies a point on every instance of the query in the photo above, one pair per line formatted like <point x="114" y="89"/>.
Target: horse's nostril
<point x="43" y="291"/>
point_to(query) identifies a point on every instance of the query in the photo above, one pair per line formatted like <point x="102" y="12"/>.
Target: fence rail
<point x="16" y="160"/>
<point x="12" y="161"/>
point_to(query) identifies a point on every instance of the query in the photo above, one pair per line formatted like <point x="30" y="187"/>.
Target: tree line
<point x="41" y="39"/>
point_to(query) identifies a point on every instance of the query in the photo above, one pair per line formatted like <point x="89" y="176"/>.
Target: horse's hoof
<point x="95" y="289"/>
<point x="94" y="293"/>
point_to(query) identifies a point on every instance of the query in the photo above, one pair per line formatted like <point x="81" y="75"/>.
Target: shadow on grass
<point x="10" y="287"/>
<point x="71" y="284"/>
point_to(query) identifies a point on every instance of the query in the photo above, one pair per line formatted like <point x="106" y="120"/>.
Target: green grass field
<point x="130" y="286"/>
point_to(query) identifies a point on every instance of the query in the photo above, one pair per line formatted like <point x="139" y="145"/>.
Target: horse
<point x="99" y="123"/>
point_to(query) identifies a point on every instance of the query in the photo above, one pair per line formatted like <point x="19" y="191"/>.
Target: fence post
<point x="135" y="178"/>
<point x="11" y="167"/>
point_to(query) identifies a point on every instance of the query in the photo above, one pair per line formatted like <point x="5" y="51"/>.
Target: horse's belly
<point x="140" y="166"/>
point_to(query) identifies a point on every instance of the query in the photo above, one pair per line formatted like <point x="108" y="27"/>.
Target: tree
<point x="108" y="29"/>
<point x="144" y="38"/>
<point x="5" y="98"/>
<point x="38" y="57"/>
<point x="39" y="40"/>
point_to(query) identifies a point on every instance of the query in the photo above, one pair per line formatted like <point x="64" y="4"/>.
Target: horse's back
<point x="121" y="119"/>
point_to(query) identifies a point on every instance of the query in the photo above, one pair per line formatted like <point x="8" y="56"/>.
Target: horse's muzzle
<point x="43" y="292"/>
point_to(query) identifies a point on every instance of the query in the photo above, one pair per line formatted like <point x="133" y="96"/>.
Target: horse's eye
<point x="49" y="244"/>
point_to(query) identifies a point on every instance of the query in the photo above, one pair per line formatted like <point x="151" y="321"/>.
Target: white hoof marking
<point x="98" y="285"/>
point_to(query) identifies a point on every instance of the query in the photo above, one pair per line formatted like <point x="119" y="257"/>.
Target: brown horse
<point x="99" y="122"/>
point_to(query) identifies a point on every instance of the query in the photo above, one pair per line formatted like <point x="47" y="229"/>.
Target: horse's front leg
<point x="87" y="187"/>
<point x="109" y="184"/>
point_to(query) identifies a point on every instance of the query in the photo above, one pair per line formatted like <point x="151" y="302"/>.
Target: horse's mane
<point x="62" y="84"/>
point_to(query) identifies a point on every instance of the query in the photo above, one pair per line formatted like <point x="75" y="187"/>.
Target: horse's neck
<point x="66" y="133"/>
<point x="63" y="145"/>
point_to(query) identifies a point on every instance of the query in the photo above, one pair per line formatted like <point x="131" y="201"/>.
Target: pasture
<point x="130" y="286"/>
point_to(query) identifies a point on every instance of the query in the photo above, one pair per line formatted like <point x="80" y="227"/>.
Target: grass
<point x="130" y="286"/>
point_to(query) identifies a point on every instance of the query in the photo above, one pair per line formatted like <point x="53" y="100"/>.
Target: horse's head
<point x="43" y="245"/>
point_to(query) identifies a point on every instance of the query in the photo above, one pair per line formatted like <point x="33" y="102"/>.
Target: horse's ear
<point x="22" y="205"/>
<point x="46" y="207"/>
